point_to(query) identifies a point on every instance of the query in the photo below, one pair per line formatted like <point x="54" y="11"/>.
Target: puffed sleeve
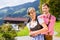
<point x="40" y="20"/>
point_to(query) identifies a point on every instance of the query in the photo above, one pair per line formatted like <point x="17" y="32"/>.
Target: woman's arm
<point x="44" y="29"/>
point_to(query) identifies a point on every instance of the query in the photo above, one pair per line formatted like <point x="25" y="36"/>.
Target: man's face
<point x="45" y="9"/>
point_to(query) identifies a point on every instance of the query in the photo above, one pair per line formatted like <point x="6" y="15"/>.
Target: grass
<point x="57" y="28"/>
<point x="23" y="32"/>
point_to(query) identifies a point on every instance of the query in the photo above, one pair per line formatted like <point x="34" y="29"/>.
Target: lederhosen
<point x="48" y="37"/>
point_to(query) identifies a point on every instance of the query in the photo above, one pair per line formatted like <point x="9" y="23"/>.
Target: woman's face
<point x="45" y="9"/>
<point x="32" y="14"/>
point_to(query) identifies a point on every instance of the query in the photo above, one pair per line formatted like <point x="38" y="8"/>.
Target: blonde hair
<point x="29" y="9"/>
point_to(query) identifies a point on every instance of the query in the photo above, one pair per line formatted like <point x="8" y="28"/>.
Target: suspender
<point x="49" y="20"/>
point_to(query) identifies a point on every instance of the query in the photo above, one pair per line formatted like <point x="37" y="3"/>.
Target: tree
<point x="55" y="7"/>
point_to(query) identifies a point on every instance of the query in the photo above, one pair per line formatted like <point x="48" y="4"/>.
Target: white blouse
<point x="32" y="24"/>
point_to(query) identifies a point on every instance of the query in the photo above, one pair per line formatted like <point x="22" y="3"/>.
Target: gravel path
<point x="56" y="38"/>
<point x="23" y="38"/>
<point x="29" y="38"/>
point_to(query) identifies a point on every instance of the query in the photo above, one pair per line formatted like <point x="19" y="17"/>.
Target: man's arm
<point x="52" y="23"/>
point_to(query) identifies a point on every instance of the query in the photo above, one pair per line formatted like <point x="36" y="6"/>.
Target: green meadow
<point x="57" y="28"/>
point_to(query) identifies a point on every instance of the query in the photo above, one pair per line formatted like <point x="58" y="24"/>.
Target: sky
<point x="6" y="3"/>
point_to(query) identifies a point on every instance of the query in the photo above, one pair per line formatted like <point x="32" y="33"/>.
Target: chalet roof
<point x="15" y="19"/>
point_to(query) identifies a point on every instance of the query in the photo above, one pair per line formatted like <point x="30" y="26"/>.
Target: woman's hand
<point x="33" y="33"/>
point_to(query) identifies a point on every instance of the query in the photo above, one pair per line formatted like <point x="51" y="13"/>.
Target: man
<point x="49" y="20"/>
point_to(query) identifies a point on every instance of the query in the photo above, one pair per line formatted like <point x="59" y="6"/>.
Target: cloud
<point x="5" y="3"/>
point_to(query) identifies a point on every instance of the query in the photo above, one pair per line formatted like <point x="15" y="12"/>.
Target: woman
<point x="36" y="25"/>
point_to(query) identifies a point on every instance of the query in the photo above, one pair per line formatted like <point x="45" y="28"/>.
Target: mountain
<point x="19" y="10"/>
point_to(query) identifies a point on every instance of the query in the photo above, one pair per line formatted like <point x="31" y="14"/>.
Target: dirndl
<point x="38" y="37"/>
